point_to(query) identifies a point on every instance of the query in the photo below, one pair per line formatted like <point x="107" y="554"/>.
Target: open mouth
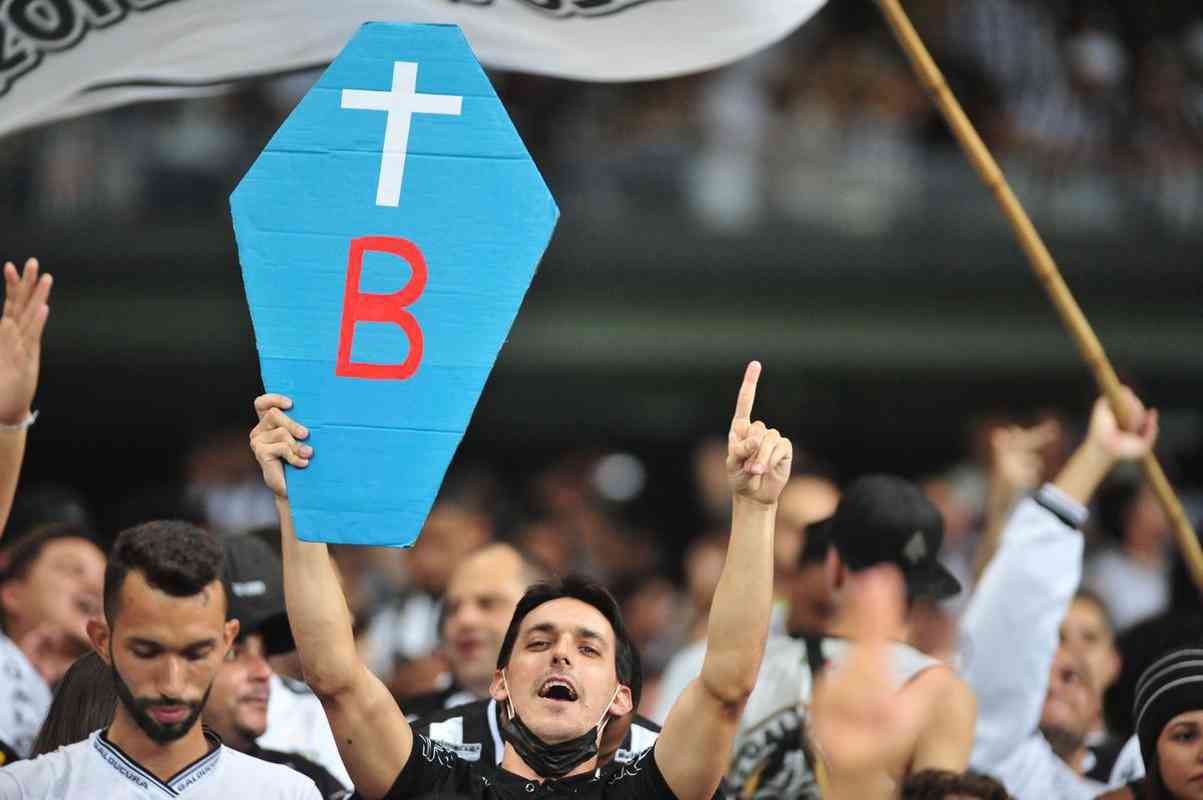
<point x="558" y="689"/>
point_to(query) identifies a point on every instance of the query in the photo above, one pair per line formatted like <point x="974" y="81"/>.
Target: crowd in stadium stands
<point x="1019" y="625"/>
<point x="1094" y="108"/>
<point x="1035" y="635"/>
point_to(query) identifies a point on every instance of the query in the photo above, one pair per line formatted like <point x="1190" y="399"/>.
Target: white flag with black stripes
<point x="61" y="58"/>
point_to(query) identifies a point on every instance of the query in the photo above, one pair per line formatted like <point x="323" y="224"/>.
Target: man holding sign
<point x="560" y="673"/>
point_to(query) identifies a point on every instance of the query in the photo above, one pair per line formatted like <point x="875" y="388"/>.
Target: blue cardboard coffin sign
<point x="387" y="235"/>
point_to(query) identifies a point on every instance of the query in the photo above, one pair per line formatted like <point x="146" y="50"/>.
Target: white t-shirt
<point x="24" y="698"/>
<point x="1132" y="591"/>
<point x="296" y="723"/>
<point x="96" y="768"/>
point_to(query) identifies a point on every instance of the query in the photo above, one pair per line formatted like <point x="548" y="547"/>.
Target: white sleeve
<point x="10" y="789"/>
<point x="308" y="791"/>
<point x="1129" y="765"/>
<point x="1009" y="634"/>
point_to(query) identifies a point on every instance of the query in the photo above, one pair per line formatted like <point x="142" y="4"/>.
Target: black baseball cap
<point x="254" y="583"/>
<point x="883" y="519"/>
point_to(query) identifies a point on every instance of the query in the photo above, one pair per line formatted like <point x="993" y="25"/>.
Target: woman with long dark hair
<point x="83" y="702"/>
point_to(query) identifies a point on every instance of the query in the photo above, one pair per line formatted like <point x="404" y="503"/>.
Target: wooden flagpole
<point x="1042" y="264"/>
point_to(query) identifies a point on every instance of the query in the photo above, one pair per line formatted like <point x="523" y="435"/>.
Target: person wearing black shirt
<point x="472" y="732"/>
<point x="564" y="666"/>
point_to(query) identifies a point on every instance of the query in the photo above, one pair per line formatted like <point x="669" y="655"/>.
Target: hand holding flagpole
<point x="1045" y="268"/>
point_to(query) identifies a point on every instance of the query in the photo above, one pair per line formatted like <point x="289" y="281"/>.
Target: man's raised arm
<point x="373" y="736"/>
<point x="25" y="313"/>
<point x="692" y="752"/>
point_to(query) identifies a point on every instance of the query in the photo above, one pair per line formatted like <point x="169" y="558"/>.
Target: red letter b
<point x="361" y="307"/>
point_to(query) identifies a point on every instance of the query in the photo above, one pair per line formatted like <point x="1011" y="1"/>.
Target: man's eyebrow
<point x="542" y="627"/>
<point x="199" y="643"/>
<point x="138" y="641"/>
<point x="588" y="633"/>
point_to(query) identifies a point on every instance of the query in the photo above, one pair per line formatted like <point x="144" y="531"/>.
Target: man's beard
<point x="1064" y="742"/>
<point x="139" y="709"/>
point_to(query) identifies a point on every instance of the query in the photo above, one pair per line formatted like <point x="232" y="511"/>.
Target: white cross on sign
<point x="401" y="103"/>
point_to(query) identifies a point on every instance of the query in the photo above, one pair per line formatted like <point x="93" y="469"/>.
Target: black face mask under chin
<point x="549" y="760"/>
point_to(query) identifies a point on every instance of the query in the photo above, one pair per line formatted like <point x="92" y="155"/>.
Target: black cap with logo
<point x="254" y="582"/>
<point x="882" y="519"/>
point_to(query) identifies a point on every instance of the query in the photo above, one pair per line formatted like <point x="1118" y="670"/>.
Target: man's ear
<point x="497" y="689"/>
<point x="1115" y="665"/>
<point x="833" y="568"/>
<point x="100" y="637"/>
<point x="10" y="598"/>
<point x="231" y="633"/>
<point x="622" y="704"/>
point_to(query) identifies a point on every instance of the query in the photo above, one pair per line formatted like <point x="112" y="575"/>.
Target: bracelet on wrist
<point x="23" y="425"/>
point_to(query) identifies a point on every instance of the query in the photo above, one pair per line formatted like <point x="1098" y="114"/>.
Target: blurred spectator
<point x="809" y="598"/>
<point x="401" y="637"/>
<point x="46" y="504"/>
<point x="1072" y="705"/>
<point x="805" y="499"/>
<point x="1088" y="632"/>
<point x="237" y="711"/>
<point x="1133" y="578"/>
<point x="934" y="784"/>
<point x="710" y="481"/>
<point x="259" y="702"/>
<point x="224" y="483"/>
<point x="704" y="561"/>
<point x="52" y="586"/>
<point x="654" y="617"/>
<point x="481" y="596"/>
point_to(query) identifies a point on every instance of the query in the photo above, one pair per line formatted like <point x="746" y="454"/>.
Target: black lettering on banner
<point x="17" y="56"/>
<point x="100" y="13"/>
<point x="29" y="29"/>
<point x="584" y="8"/>
<point x="51" y="24"/>
<point x="145" y="5"/>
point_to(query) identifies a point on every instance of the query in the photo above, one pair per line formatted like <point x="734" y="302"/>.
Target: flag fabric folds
<point x="61" y="58"/>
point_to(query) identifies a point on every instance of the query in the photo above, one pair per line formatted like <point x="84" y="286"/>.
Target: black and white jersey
<point x="472" y="732"/>
<point x="24" y="699"/>
<point x="327" y="785"/>
<point x="97" y="768"/>
<point x="421" y="706"/>
<point x="434" y="772"/>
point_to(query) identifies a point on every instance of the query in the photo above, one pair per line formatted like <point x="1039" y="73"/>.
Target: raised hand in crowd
<point x="694" y="747"/>
<point x="566" y="646"/>
<point x="1107" y="444"/>
<point x="1016" y="467"/>
<point x="860" y="723"/>
<point x="1010" y="631"/>
<point x="21" y="326"/>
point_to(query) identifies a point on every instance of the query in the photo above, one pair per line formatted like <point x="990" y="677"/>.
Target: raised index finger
<point x="747" y="395"/>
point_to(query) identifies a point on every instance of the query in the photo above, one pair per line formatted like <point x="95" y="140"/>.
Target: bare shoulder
<point x="950" y="711"/>
<point x="941" y="681"/>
